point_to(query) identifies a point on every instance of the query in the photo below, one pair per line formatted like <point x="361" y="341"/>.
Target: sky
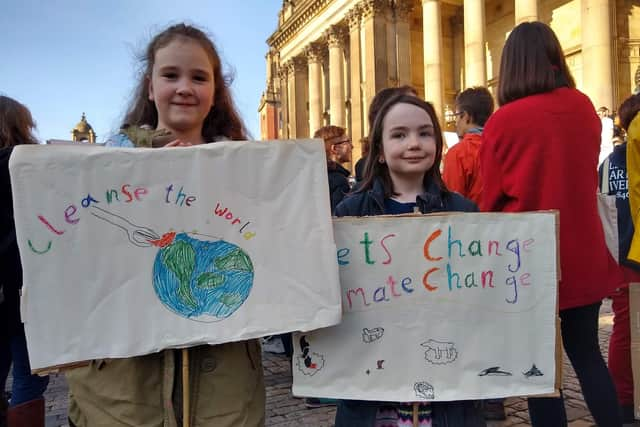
<point x="65" y="57"/>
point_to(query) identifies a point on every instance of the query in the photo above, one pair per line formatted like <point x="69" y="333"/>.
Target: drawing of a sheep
<point x="439" y="352"/>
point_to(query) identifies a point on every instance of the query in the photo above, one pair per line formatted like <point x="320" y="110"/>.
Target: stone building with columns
<point x="328" y="58"/>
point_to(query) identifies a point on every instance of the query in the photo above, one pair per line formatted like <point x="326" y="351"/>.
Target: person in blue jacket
<point x="614" y="180"/>
<point x="402" y="175"/>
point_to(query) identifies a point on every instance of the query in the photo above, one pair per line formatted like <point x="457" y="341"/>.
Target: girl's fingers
<point x="179" y="143"/>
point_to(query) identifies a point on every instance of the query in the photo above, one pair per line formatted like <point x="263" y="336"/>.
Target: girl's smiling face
<point x="182" y="87"/>
<point x="408" y="142"/>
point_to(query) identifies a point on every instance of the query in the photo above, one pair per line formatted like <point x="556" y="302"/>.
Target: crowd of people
<point x="538" y="151"/>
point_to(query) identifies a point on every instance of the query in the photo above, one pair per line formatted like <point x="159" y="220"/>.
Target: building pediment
<point x="303" y="12"/>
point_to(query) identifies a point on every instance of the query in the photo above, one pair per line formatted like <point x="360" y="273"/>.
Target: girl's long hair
<point x="223" y="118"/>
<point x="16" y="123"/>
<point x="373" y="169"/>
<point x="532" y="62"/>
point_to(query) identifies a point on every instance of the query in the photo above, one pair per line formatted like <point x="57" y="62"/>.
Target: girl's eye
<point x="200" y="78"/>
<point x="397" y="135"/>
<point x="425" y="133"/>
<point x="170" y="76"/>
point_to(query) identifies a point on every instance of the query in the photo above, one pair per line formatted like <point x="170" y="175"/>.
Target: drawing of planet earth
<point x="204" y="280"/>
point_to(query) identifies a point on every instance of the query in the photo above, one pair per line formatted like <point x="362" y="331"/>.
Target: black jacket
<point x="359" y="168"/>
<point x="10" y="268"/>
<point x="338" y="184"/>
<point x="371" y="202"/>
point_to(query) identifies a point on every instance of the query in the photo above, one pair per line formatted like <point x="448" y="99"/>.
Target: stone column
<point x="269" y="62"/>
<point x="392" y="47"/>
<point x="375" y="73"/>
<point x="355" y="77"/>
<point x="314" y="58"/>
<point x="457" y="26"/>
<point x="403" y="41"/>
<point x="297" y="97"/>
<point x="474" y="38"/>
<point x="597" y="52"/>
<point x="291" y="99"/>
<point x="283" y="74"/>
<point x="526" y="11"/>
<point x="336" y="39"/>
<point x="432" y="33"/>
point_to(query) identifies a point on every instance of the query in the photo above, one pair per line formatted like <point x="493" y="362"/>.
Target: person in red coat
<point x="540" y="151"/>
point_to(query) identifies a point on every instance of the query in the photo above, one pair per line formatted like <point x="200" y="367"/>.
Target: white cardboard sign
<point x="129" y="251"/>
<point x="438" y="308"/>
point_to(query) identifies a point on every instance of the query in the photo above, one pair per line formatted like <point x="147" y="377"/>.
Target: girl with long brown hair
<point x="184" y="96"/>
<point x="27" y="403"/>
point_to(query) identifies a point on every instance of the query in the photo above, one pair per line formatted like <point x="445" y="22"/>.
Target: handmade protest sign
<point x="130" y="251"/>
<point x="438" y="308"/>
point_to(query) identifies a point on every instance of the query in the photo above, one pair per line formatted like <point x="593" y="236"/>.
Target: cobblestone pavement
<point x="283" y="410"/>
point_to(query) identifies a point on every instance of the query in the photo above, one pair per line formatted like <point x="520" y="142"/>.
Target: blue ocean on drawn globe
<point x="201" y="278"/>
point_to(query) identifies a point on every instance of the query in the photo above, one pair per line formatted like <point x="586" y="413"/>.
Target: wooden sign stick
<point x="185" y="388"/>
<point x="416" y="407"/>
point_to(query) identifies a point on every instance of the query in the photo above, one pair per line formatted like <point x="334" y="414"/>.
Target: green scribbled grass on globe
<point x="197" y="290"/>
